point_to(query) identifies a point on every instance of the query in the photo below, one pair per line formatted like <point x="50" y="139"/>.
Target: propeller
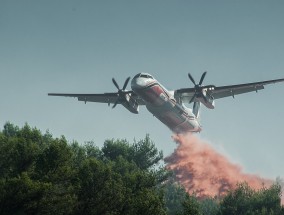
<point x="121" y="92"/>
<point x="198" y="87"/>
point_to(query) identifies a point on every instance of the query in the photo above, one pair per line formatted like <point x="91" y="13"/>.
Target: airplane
<point x="169" y="106"/>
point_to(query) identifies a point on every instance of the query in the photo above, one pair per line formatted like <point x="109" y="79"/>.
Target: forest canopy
<point x="40" y="174"/>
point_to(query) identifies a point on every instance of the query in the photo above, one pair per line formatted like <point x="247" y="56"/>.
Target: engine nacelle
<point x="209" y="102"/>
<point x="131" y="104"/>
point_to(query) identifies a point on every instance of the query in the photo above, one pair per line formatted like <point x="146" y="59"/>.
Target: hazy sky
<point x="78" y="46"/>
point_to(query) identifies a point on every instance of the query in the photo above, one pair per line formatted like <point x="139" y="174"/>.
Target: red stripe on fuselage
<point x="153" y="94"/>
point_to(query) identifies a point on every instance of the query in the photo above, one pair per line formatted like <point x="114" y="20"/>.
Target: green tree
<point x="18" y="149"/>
<point x="143" y="153"/>
<point x="140" y="178"/>
<point x="101" y="189"/>
<point x="35" y="172"/>
<point x="210" y="206"/>
<point x="21" y="195"/>
<point x="191" y="206"/>
<point x="245" y="200"/>
<point x="10" y="130"/>
<point x="55" y="161"/>
<point x="143" y="194"/>
<point x="175" y="195"/>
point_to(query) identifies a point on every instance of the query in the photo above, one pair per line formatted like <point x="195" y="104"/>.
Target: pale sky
<point x="78" y="46"/>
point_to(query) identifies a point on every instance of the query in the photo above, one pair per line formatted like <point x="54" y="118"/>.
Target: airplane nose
<point x="137" y="83"/>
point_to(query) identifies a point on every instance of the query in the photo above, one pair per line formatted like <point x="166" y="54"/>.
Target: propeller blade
<point x="202" y="78"/>
<point x="114" y="105"/>
<point x="125" y="83"/>
<point x="191" y="78"/>
<point x="115" y="84"/>
<point x="192" y="99"/>
<point x="194" y="105"/>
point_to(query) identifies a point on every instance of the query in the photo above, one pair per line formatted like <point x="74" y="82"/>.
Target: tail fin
<point x="196" y="107"/>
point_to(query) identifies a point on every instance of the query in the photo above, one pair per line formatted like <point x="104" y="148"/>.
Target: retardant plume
<point x="204" y="171"/>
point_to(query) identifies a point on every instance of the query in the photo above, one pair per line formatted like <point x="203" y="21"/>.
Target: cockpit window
<point x="146" y="76"/>
<point x="137" y="76"/>
<point x="143" y="76"/>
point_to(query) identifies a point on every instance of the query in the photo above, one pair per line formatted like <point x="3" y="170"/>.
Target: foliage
<point x="209" y="206"/>
<point x="143" y="153"/>
<point x="175" y="195"/>
<point x="245" y="200"/>
<point x="191" y="206"/>
<point x="40" y="174"/>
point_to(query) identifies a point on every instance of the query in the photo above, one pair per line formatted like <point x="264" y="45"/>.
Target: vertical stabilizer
<point x="196" y="107"/>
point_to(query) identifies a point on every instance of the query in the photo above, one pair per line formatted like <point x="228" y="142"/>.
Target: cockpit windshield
<point x="143" y="75"/>
<point x="137" y="76"/>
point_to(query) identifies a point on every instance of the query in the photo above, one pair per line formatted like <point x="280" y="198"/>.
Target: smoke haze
<point x="204" y="171"/>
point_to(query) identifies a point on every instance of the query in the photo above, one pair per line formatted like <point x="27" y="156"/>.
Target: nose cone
<point x="137" y="83"/>
<point x="141" y="81"/>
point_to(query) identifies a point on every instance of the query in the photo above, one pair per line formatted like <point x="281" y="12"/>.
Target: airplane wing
<point x="109" y="98"/>
<point x="232" y="90"/>
<point x="224" y="91"/>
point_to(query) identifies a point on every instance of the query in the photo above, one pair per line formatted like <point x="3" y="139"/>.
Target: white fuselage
<point x="163" y="106"/>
